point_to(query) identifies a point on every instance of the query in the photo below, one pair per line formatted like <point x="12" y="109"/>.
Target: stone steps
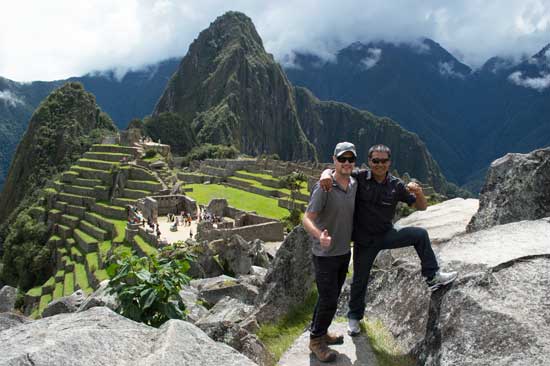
<point x="90" y="173"/>
<point x="87" y="182"/>
<point x="115" y="149"/>
<point x="134" y="193"/>
<point x="77" y="211"/>
<point x="107" y="156"/>
<point x="86" y="242"/>
<point x="76" y="255"/>
<point x="76" y="200"/>
<point x="69" y="176"/>
<point x="151" y="186"/>
<point x="115" y="212"/>
<point x="121" y="201"/>
<point x="69" y="220"/>
<point x="101" y="222"/>
<point x="64" y="231"/>
<point x="92" y="230"/>
<point x="96" y="164"/>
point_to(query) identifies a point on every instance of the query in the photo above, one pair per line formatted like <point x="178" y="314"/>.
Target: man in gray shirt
<point x="329" y="221"/>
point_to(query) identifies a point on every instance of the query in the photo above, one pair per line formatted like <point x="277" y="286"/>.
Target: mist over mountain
<point x="467" y="118"/>
<point x="132" y="96"/>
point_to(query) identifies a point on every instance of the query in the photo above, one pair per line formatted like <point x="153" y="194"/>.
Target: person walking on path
<point x="328" y="220"/>
<point x="377" y="195"/>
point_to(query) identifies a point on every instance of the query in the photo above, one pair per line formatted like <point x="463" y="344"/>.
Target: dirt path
<point x="355" y="351"/>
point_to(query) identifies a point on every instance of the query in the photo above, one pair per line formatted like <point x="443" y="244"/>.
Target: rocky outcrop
<point x="238" y="255"/>
<point x="516" y="188"/>
<point x="495" y="313"/>
<point x="100" y="297"/>
<point x="101" y="337"/>
<point x="65" y="304"/>
<point x="289" y="280"/>
<point x="10" y="320"/>
<point x="8" y="295"/>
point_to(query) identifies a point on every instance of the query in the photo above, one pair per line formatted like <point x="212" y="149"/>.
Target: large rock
<point x="101" y="337"/>
<point x="516" y="188"/>
<point x="226" y="322"/>
<point x="8" y="296"/>
<point x="212" y="290"/>
<point x="444" y="220"/>
<point x="66" y="304"/>
<point x="100" y="297"/>
<point x="496" y="313"/>
<point x="189" y="296"/>
<point x="290" y="279"/>
<point x="10" y="320"/>
<point x="236" y="254"/>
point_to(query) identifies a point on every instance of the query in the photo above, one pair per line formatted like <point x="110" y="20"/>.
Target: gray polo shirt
<point x="335" y="213"/>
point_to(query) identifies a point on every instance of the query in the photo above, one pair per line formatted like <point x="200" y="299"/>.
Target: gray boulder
<point x="8" y="296"/>
<point x="212" y="290"/>
<point x="99" y="336"/>
<point x="10" y="320"/>
<point x="235" y="253"/>
<point x="443" y="222"/>
<point x="290" y="278"/>
<point x="226" y="322"/>
<point x="496" y="312"/>
<point x="516" y="188"/>
<point x="100" y="297"/>
<point x="259" y="253"/>
<point x="66" y="304"/>
<point x="189" y="296"/>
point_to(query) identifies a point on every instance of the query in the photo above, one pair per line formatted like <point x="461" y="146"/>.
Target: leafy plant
<point x="293" y="182"/>
<point x="148" y="287"/>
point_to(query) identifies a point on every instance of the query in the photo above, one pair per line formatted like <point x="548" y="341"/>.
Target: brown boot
<point x="320" y="349"/>
<point x="334" y="338"/>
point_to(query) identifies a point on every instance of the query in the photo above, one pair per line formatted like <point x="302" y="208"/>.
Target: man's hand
<point x="414" y="188"/>
<point x="325" y="239"/>
<point x="326" y="180"/>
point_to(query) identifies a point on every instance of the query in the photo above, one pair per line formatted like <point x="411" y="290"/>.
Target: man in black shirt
<point x="378" y="193"/>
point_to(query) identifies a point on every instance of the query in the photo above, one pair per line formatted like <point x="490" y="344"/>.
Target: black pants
<point x="364" y="254"/>
<point x="330" y="274"/>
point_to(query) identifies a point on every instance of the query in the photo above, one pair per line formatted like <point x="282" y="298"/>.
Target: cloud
<point x="538" y="83"/>
<point x="374" y="55"/>
<point x="62" y="38"/>
<point x="447" y="69"/>
<point x="8" y="97"/>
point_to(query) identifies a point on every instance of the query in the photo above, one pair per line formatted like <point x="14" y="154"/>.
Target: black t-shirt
<point x="375" y="204"/>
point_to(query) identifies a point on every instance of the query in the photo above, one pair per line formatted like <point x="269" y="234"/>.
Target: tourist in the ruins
<point x="328" y="219"/>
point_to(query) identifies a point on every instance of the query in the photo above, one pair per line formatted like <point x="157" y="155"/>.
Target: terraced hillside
<point x="88" y="219"/>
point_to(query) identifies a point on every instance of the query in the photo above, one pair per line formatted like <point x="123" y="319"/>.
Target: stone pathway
<point x="356" y="351"/>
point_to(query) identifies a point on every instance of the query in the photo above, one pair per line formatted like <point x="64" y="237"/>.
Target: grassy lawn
<point x="44" y="301"/>
<point x="303" y="188"/>
<point x="35" y="291"/>
<point x="237" y="198"/>
<point x="87" y="238"/>
<point x="257" y="184"/>
<point x="101" y="275"/>
<point x="93" y="261"/>
<point x="82" y="278"/>
<point x="68" y="285"/>
<point x="58" y="291"/>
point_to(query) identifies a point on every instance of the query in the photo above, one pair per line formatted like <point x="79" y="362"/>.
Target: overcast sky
<point x="55" y="39"/>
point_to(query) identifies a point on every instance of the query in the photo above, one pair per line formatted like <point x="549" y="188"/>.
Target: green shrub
<point x="209" y="151"/>
<point x="148" y="288"/>
<point x="26" y="256"/>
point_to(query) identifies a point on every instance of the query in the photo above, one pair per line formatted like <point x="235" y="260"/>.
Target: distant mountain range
<point x="133" y="96"/>
<point x="466" y="117"/>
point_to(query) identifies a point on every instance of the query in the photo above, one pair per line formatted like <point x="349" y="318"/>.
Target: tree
<point x="293" y="182"/>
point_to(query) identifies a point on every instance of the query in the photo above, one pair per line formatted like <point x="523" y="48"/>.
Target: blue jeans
<point x="365" y="252"/>
<point x="330" y="275"/>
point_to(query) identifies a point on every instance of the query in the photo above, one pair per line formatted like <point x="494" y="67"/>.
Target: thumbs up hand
<point x="325" y="239"/>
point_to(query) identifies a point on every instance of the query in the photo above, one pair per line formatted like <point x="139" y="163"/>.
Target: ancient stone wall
<point x="271" y="231"/>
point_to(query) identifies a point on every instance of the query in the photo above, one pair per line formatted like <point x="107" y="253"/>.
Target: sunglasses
<point x="379" y="161"/>
<point x="342" y="159"/>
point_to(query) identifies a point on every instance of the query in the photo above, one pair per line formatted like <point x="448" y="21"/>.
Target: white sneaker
<point x="353" y="327"/>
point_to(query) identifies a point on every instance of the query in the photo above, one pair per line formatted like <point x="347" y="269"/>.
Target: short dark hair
<point x="380" y="148"/>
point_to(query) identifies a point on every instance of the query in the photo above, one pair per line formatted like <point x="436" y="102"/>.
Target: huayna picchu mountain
<point x="229" y="90"/>
<point x="63" y="127"/>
